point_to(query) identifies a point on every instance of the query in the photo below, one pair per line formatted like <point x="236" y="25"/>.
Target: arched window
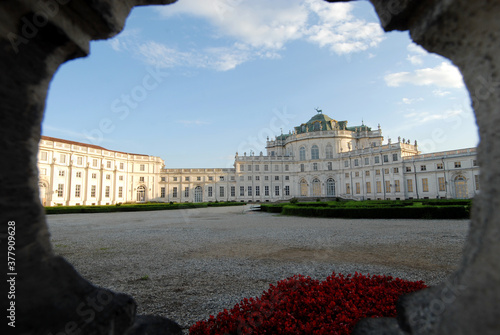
<point x="141" y="193"/>
<point x="316" y="187"/>
<point x="198" y="194"/>
<point x="315" y="152"/>
<point x="316" y="126"/>
<point x="330" y="187"/>
<point x="460" y="187"/>
<point x="303" y="188"/>
<point x="329" y="151"/>
<point x="302" y="153"/>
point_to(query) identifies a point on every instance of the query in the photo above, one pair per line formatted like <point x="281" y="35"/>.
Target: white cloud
<point x="443" y="75"/>
<point x="409" y="101"/>
<point x="417" y="49"/>
<point x="415" y="60"/>
<point x="419" y="118"/>
<point x="261" y="28"/>
<point x="441" y="93"/>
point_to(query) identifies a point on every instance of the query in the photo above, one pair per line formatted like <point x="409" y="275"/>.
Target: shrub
<point x="301" y="305"/>
<point x="294" y="201"/>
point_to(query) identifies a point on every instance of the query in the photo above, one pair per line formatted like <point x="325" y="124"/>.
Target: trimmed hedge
<point x="408" y="212"/>
<point x="134" y="207"/>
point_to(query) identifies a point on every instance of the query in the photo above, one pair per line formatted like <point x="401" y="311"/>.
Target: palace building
<point x="322" y="158"/>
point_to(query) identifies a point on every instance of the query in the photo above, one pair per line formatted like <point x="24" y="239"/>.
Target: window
<point x="61" y="173"/>
<point x="368" y="187"/>
<point x="43" y="156"/>
<point x="367" y="161"/>
<point x="266" y="177"/>
<point x="386" y="171"/>
<point x="302" y="168"/>
<point x="408" y="169"/>
<point x="249" y="191"/>
<point x="347" y="174"/>
<point x="367" y="173"/>
<point x="142" y="167"/>
<point x="257" y="191"/>
<point x="78" y="175"/>
<point x="257" y="177"/>
<point x="92" y="191"/>
<point x="329" y="151"/>
<point x="79" y="160"/>
<point x="120" y="192"/>
<point x="377" y="172"/>
<point x="302" y="153"/>
<point x="108" y="176"/>
<point x="232" y="178"/>
<point x="276" y="190"/>
<point x="423" y="167"/>
<point x="108" y="164"/>
<point x="356" y="162"/>
<point x="474" y="162"/>
<point x="395" y="170"/>
<point x="221" y="178"/>
<point x="386" y="158"/>
<point x="186" y="192"/>
<point x="94" y="162"/>
<point x="315" y="166"/>
<point x="77" y="191"/>
<point x="266" y="167"/>
<point x="106" y="192"/>
<point x="394" y="157"/>
<point x="379" y="186"/>
<point x="441" y="184"/>
<point x="221" y="191"/>
<point x="347" y="188"/>
<point x="276" y="168"/>
<point x="409" y="185"/>
<point x="377" y="159"/>
<point x="397" y="187"/>
<point x="388" y="186"/>
<point x="346" y="163"/>
<point x="356" y="174"/>
<point x="476" y="180"/>
<point x="287" y="190"/>
<point x="175" y="178"/>
<point x="425" y="185"/>
<point x="314" y="152"/>
<point x="162" y="178"/>
<point x="242" y="167"/>
<point x="257" y="167"/>
<point x="210" y="191"/>
<point x="174" y="192"/>
<point x="276" y="177"/>
<point x="198" y="178"/>
<point x="266" y="191"/>
<point x="358" y="188"/>
<point x="287" y="177"/>
<point x="121" y="166"/>
<point x="439" y="166"/>
<point x="186" y="178"/>
<point x="120" y="178"/>
<point x="458" y="165"/>
<point x="329" y="166"/>
<point x="233" y="191"/>
<point x="62" y="158"/>
<point x="249" y="167"/>
<point x="242" y="191"/>
<point x="249" y="178"/>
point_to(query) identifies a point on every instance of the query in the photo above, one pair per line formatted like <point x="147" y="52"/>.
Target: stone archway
<point x="38" y="36"/>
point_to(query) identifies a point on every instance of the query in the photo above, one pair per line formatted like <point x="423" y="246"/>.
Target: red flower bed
<point x="301" y="305"/>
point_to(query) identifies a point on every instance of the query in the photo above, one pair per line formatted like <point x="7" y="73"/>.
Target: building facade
<point x="322" y="158"/>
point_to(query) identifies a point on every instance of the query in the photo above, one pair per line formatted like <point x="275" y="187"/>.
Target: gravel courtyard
<point x="189" y="264"/>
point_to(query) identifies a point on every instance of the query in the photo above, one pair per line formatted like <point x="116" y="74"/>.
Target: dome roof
<point x="318" y="122"/>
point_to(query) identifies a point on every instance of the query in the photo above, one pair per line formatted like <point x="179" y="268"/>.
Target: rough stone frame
<point x="36" y="37"/>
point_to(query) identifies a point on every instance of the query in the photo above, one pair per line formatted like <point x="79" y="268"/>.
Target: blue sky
<point x="197" y="81"/>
